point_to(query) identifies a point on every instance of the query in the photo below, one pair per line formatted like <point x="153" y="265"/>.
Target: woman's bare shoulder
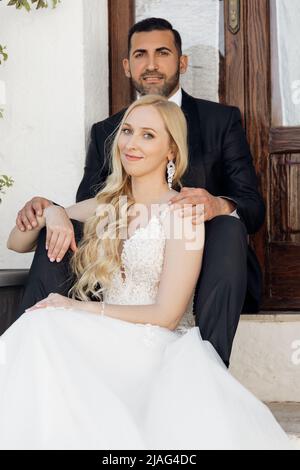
<point x="172" y="194"/>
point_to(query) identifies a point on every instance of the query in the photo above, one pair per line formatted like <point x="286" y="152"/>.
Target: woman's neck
<point x="151" y="194"/>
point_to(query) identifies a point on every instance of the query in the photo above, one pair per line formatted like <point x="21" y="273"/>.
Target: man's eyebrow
<point x="163" y="48"/>
<point x="144" y="128"/>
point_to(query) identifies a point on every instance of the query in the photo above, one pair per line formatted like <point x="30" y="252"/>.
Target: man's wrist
<point x="226" y="206"/>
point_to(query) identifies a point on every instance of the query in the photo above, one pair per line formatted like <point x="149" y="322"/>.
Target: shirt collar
<point x="176" y="98"/>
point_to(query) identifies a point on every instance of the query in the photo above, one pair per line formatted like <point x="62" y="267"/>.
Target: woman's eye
<point x="126" y="131"/>
<point x="148" y="136"/>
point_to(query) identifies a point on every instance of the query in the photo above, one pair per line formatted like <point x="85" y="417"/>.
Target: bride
<point x="111" y="366"/>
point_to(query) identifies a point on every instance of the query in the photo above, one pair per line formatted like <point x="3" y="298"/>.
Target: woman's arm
<point x="24" y="242"/>
<point x="82" y="210"/>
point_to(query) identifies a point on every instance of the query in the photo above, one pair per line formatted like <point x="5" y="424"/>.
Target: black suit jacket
<point x="219" y="161"/>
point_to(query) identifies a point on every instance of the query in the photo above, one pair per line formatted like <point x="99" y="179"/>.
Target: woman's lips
<point x="132" y="159"/>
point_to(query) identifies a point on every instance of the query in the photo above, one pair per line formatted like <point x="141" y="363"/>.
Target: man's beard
<point x="155" y="89"/>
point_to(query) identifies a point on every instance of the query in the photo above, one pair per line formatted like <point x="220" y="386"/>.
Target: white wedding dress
<point x="75" y="380"/>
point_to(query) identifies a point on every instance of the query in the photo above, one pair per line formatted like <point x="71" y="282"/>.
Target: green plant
<point x="3" y="55"/>
<point x="5" y="182"/>
<point x="26" y="4"/>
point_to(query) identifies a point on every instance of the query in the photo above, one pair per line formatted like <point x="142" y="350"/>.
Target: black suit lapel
<point x="195" y="174"/>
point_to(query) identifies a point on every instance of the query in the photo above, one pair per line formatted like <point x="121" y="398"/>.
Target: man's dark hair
<point x="155" y="24"/>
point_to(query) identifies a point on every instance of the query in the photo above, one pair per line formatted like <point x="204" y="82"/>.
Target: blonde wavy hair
<point x="98" y="257"/>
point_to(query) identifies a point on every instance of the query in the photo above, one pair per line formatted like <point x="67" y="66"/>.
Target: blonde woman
<point x="122" y="373"/>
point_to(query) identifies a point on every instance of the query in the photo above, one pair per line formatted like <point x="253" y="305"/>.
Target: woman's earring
<point x="171" y="172"/>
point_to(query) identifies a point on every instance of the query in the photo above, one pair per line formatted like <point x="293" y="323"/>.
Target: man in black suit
<point x="220" y="175"/>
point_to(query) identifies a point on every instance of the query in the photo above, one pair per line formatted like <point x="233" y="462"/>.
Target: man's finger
<point x="193" y="210"/>
<point x="25" y="221"/>
<point x="31" y="216"/>
<point x="180" y="196"/>
<point x="198" y="218"/>
<point x="189" y="191"/>
<point x="185" y="195"/>
<point x="20" y="224"/>
<point x="188" y="200"/>
<point x="184" y="189"/>
<point x="37" y="206"/>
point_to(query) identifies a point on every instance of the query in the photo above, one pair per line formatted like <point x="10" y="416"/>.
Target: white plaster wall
<point x="266" y="356"/>
<point x="56" y="86"/>
<point x="286" y="62"/>
<point x="95" y="65"/>
<point x="198" y="22"/>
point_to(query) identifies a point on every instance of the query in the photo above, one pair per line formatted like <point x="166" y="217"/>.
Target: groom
<point x="220" y="175"/>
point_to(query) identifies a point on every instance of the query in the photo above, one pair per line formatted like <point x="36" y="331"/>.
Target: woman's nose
<point x="131" y="142"/>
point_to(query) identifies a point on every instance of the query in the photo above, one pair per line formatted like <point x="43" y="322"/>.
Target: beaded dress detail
<point x="142" y="260"/>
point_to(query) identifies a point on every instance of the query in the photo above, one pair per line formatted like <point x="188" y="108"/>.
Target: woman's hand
<point x="56" y="300"/>
<point x="60" y="233"/>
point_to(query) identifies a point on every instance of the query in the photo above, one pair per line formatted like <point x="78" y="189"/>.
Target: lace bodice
<point x="142" y="260"/>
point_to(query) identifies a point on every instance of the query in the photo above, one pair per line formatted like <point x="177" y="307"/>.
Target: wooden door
<point x="246" y="81"/>
<point x="250" y="61"/>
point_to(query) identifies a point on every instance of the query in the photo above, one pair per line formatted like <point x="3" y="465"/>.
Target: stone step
<point x="288" y="416"/>
<point x="266" y="356"/>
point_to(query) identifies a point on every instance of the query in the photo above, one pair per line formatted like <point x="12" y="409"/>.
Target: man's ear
<point x="126" y="68"/>
<point x="183" y="63"/>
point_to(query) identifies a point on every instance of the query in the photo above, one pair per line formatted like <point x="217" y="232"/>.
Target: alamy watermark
<point x="296" y="354"/>
<point x="177" y="221"/>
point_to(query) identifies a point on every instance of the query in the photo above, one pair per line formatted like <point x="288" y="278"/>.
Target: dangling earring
<point x="171" y="172"/>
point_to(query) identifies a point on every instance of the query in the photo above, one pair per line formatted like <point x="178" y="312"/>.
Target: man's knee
<point x="227" y="228"/>
<point x="226" y="244"/>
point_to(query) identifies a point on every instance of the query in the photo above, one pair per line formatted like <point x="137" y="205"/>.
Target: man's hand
<point x="55" y="300"/>
<point x="27" y="216"/>
<point x="209" y="206"/>
<point x="60" y="233"/>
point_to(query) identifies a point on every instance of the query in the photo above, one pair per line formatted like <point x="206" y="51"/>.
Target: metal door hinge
<point x="234" y="16"/>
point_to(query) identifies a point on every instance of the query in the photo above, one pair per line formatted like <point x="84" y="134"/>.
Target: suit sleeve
<point x="240" y="180"/>
<point x="96" y="167"/>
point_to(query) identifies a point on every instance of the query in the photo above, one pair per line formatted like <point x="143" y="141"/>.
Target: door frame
<point x="121" y="16"/>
